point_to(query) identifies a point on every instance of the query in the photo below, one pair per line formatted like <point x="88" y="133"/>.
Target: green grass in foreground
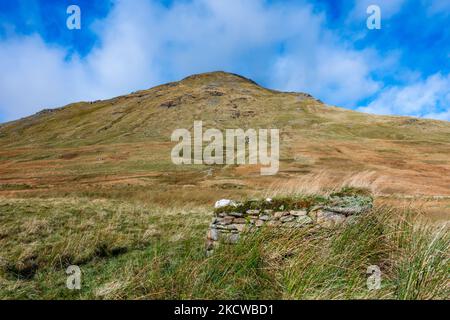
<point x="138" y="252"/>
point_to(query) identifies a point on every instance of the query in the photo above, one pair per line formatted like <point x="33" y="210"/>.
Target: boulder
<point x="329" y="219"/>
<point x="224" y="203"/>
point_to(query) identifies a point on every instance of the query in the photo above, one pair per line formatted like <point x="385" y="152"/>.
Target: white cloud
<point x="35" y="76"/>
<point x="142" y="44"/>
<point x="327" y="70"/>
<point x="429" y="98"/>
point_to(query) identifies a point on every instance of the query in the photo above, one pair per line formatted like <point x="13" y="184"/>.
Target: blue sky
<point x="320" y="47"/>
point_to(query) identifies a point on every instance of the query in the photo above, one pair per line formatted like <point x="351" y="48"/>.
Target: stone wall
<point x="232" y="220"/>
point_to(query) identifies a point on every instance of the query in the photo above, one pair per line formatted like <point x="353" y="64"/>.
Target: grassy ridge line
<point x="144" y="252"/>
<point x="222" y="101"/>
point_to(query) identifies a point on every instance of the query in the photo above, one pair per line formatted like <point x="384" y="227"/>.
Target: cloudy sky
<point x="320" y="47"/>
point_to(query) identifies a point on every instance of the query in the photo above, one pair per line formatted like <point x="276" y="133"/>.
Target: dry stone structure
<point x="232" y="220"/>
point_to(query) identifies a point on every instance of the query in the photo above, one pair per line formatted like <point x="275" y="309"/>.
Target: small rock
<point x="287" y="218"/>
<point x="242" y="227"/>
<point x="226" y="227"/>
<point x="259" y="223"/>
<point x="329" y="219"/>
<point x="280" y="214"/>
<point x="239" y="221"/>
<point x="253" y="212"/>
<point x="235" y="214"/>
<point x="264" y="218"/>
<point x="213" y="234"/>
<point x="227" y="220"/>
<point x="298" y="213"/>
<point x="268" y="211"/>
<point x="224" y="203"/>
<point x="274" y="223"/>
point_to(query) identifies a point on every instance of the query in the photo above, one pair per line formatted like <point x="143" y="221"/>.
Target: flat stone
<point x="239" y="221"/>
<point x="259" y="223"/>
<point x="226" y="227"/>
<point x="224" y="203"/>
<point x="235" y="214"/>
<point x="274" y="223"/>
<point x="233" y="227"/>
<point x="213" y="234"/>
<point x="315" y="208"/>
<point x="268" y="211"/>
<point x="242" y="227"/>
<point x="287" y="218"/>
<point x="280" y="214"/>
<point x="227" y="220"/>
<point x="253" y="211"/>
<point x="329" y="219"/>
<point x="298" y="213"/>
<point x="264" y="217"/>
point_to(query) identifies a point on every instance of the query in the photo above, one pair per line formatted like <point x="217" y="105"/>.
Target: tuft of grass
<point x="349" y="191"/>
<point x="133" y="251"/>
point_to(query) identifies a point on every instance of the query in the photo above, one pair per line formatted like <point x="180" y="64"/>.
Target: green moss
<point x="347" y="197"/>
<point x="277" y="204"/>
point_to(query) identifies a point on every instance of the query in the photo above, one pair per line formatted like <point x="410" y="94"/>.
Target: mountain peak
<point x="220" y="77"/>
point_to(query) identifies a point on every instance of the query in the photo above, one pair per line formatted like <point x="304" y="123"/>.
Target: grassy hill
<point x="92" y="183"/>
<point x="125" y="142"/>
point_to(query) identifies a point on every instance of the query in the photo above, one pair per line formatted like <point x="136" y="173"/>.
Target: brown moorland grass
<point x="92" y="183"/>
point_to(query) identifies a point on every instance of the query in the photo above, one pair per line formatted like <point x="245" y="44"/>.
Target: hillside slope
<point x="121" y="147"/>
